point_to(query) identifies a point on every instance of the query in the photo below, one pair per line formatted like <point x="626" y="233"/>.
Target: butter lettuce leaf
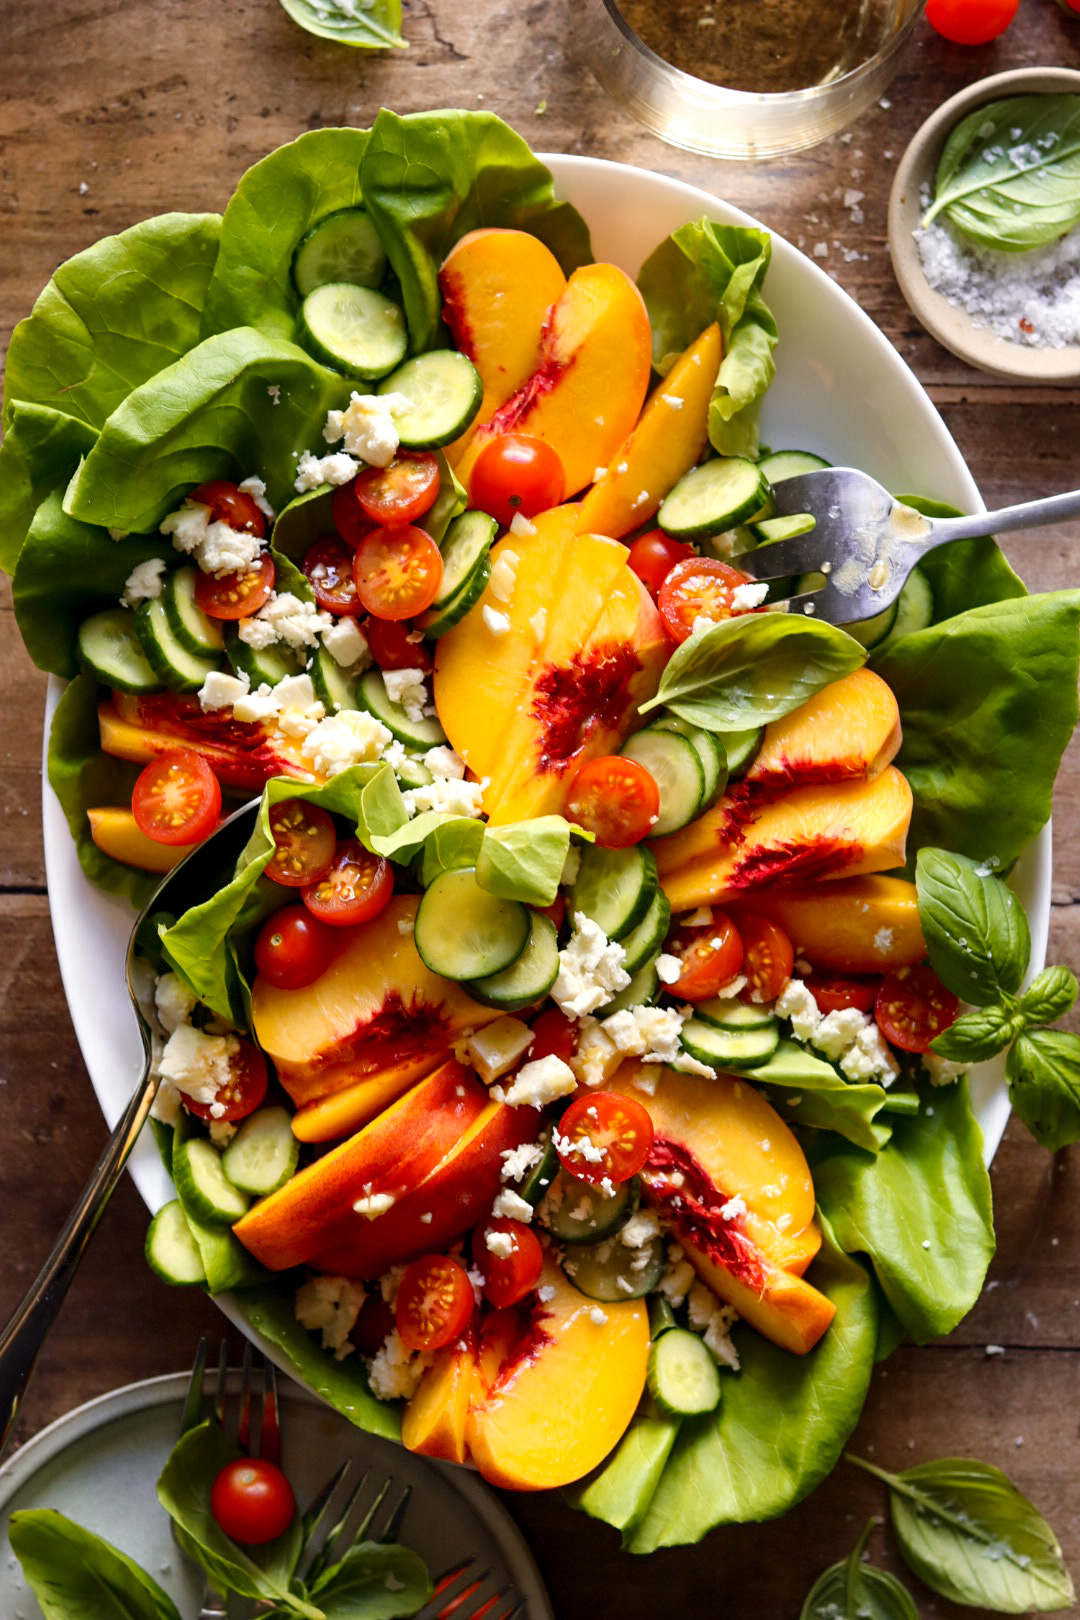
<point x="41" y="449"/>
<point x="812" y="1094"/>
<point x="524" y="859"/>
<point x="966" y="574"/>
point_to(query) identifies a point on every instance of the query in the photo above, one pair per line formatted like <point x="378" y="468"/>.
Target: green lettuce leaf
<point x="813" y="1094"/>
<point x="524" y="860"/>
<point x="371" y="27"/>
<point x="41" y="449"/>
<point x="210" y="415"/>
<point x="706" y="272"/>
<point x="428" y="178"/>
<point x="966" y="574"/>
<point x="74" y="1573"/>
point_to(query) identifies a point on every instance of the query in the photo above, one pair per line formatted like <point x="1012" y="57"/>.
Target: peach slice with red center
<point x="851" y="925"/>
<point x="241" y="755"/>
<point x="850" y="728"/>
<point x="564" y="1391"/>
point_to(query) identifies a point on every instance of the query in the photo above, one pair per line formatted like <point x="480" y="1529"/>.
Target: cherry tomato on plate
<point x="355" y="888"/>
<point x="513" y="473"/>
<point x="554" y="1035"/>
<point x="615" y="798"/>
<point x="177" y="798"/>
<point x="398" y="572"/>
<point x="244" y="1090"/>
<point x="392" y="646"/>
<point x="304" y="843"/>
<point x="435" y="1303"/>
<point x="508" y="1278"/>
<point x="654" y="555"/>
<point x="293" y="948"/>
<point x="711" y="957"/>
<point x="912" y="1007"/>
<point x="970" y="22"/>
<point x="328" y="564"/>
<point x="236" y="595"/>
<point x="350" y="521"/>
<point x="834" y="991"/>
<point x="768" y="957"/>
<point x="400" y="493"/>
<point x="230" y="504"/>
<point x="604" y="1136"/>
<point x="698" y="587"/>
<point x="252" y="1501"/>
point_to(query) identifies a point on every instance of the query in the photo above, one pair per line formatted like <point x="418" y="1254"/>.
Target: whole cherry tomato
<point x="615" y="798"/>
<point x="513" y="473"/>
<point x="176" y="798"/>
<point x="293" y="948"/>
<point x="970" y="22"/>
<point x="654" y="555"/>
<point x="252" y="1501"/>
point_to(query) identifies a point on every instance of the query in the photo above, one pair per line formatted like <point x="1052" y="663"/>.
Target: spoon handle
<point x="25" y="1333"/>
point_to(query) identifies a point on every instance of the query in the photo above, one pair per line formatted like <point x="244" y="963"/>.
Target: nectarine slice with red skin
<point x="342" y="1111"/>
<point x="116" y="833"/>
<point x="850" y="728"/>
<point x="241" y="756"/>
<point x="850" y="925"/>
<point x="565" y="1393"/>
<point x="433" y="1422"/>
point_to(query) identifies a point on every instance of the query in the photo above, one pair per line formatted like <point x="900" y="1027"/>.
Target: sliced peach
<point x="433" y="1422"/>
<point x="390" y="1156"/>
<point x="846" y="829"/>
<point x="117" y="834"/>
<point x="667" y="441"/>
<point x="587" y="391"/>
<point x="783" y="1308"/>
<point x="242" y="754"/>
<point x="850" y="728"/>
<point x="342" y="1111"/>
<point x="565" y="1393"/>
<point x="852" y="925"/>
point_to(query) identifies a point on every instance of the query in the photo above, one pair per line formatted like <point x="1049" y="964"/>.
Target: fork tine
<point x="270" y="1428"/>
<point x="392" y="1527"/>
<point x="451" y="1589"/>
<point x="365" y="1523"/>
<point x="314" y="1515"/>
<point x="242" y="1434"/>
<point x="806" y="603"/>
<point x="517" y="1612"/>
<point x="193" y="1400"/>
<point x="221" y="1388"/>
<point x="779" y="559"/>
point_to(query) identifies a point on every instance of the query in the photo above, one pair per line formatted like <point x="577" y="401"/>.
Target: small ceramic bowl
<point x="951" y="325"/>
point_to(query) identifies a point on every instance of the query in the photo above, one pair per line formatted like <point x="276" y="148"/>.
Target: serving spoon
<point x="195" y="878"/>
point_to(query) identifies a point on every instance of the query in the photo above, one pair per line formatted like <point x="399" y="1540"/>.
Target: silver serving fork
<point x="864" y="542"/>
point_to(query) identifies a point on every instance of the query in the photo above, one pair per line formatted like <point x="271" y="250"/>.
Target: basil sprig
<point x="74" y="1574"/>
<point x="852" y="1590"/>
<point x="979" y="947"/>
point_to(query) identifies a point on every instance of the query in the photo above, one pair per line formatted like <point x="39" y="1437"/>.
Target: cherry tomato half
<point x="356" y="888"/>
<point x="328" y="564"/>
<point x="400" y="493"/>
<point x="293" y="948"/>
<point x="912" y="1007"/>
<point x="398" y="572"/>
<point x="230" y="504"/>
<point x="304" y="843"/>
<point x="554" y="1035"/>
<point x="349" y="520"/>
<point x="768" y="957"/>
<point x="604" y="1136"/>
<point x="434" y="1303"/>
<point x="244" y="1090"/>
<point x="252" y="1501"/>
<point x="615" y="798"/>
<point x="835" y="991"/>
<point x="970" y="22"/>
<point x="508" y="1278"/>
<point x="177" y="798"/>
<point x="698" y="587"/>
<point x="654" y="555"/>
<point x="513" y="473"/>
<point x="711" y="957"/>
<point x="236" y="595"/>
<point x="392" y="646"/>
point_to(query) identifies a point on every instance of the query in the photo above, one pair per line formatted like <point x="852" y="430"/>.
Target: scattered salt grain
<point x="1030" y="298"/>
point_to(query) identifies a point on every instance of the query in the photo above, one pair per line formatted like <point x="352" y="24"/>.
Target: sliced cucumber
<point x="867" y="632"/>
<point x="171" y="1251"/>
<point x="201" y="1183"/>
<point x="446" y="393"/>
<point x="611" y="1271"/>
<point x="915" y="607"/>
<point x="682" y="1375"/>
<point x="728" y="1012"/>
<point x="265" y="667"/>
<point x="371" y="694"/>
<point x="577" y="1212"/>
<point x="108" y="647"/>
<point x="193" y="628"/>
<point x="615" y="887"/>
<point x="463" y="932"/>
<point x="334" y="687"/>
<point x="643" y="943"/>
<point x="717" y="495"/>
<point x="730" y="1048"/>
<point x="413" y="773"/>
<point x="542" y="1174"/>
<point x="709" y="750"/>
<point x="640" y="992"/>
<point x="788" y="527"/>
<point x="354" y="329"/>
<point x="661" y="1317"/>
<point x="342" y="247"/>
<point x="179" y="669"/>
<point x="437" y="624"/>
<point x="527" y="979"/>
<point x="675" y="766"/>
<point x="464" y="548"/>
<point x="781" y="464"/>
<point x="263" y="1154"/>
<point x="741" y="748"/>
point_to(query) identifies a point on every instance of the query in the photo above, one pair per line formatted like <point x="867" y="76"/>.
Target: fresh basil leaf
<point x="41" y="450"/>
<point x="974" y="926"/>
<point x="75" y="1574"/>
<point x="1009" y="173"/>
<point x="852" y="1590"/>
<point x="454" y="843"/>
<point x="976" y="1036"/>
<point x="752" y="669"/>
<point x="965" y="1530"/>
<point x="371" y="25"/>
<point x="524" y="860"/>
<point x="1044" y="1085"/>
<point x="373" y="1581"/>
<point x="1049" y="996"/>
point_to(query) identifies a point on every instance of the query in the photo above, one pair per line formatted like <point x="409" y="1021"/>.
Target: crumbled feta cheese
<point x="274" y="391"/>
<point x="198" y="1064"/>
<point x="517" y="1162"/>
<point x="497" y="623"/>
<point x="222" y="1132"/>
<point x="445" y="764"/>
<point x="395" y="1371"/>
<point x="545" y="1294"/>
<point x="598" y="1316"/>
<point x="503" y="576"/>
<point x="869" y="1058"/>
<point x="591" y="969"/>
<point x="173" y="1002"/>
<point x="652" y="1034"/>
<point x="346" y="643"/>
<point x="940" y="1071"/>
<point x="510" y="1206"/>
<point x="521" y="526"/>
<point x="495" y="1049"/>
<point x="713" y="1320"/>
<point x="838" y="1030"/>
<point x="350" y="737"/>
<point x="748" y="596"/>
<point x="673" y="400"/>
<point x="500" y="1244"/>
<point x="701" y="918"/>
<point x="372" y="1205"/>
<point x="287" y="618"/>
<point x="733" y="1208"/>
<point x="642" y="1227"/>
<point x="312" y="472"/>
<point x="668" y="968"/>
<point x="257" y="706"/>
<point x="583" y="1147"/>
<point x="451" y="797"/>
<point x="330" y="1306"/>
<point x="144" y="582"/>
<point x="537" y="1084"/>
<point x="796" y="1003"/>
<point x="407" y="688"/>
<point x="216" y="547"/>
<point x="701" y="623"/>
<point x="678" y="1278"/>
<point x="390" y="1283"/>
<point x="538" y="623"/>
<point x="367" y="426"/>
<point x="222" y="691"/>
<point x="883" y="941"/>
<point x="255" y="486"/>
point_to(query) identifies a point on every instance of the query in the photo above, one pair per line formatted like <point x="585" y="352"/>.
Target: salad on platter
<point x="570" y="1078"/>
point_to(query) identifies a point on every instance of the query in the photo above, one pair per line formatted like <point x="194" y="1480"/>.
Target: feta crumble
<point x="367" y="426"/>
<point x="668" y="968"/>
<point x="395" y="1371"/>
<point x="173" y="1002"/>
<point x="521" y="526"/>
<point x="255" y="486"/>
<point x="347" y="645"/>
<point x="330" y="1306"/>
<point x="511" y="1207"/>
<point x="285" y="617"/>
<point x="350" y="737"/>
<point x="372" y="1205"/>
<point x="144" y="582"/>
<point x="406" y="687"/>
<point x="591" y="969"/>
<point x="517" y="1162"/>
<point x="451" y="797"/>
<point x="498" y="624"/>
<point x="216" y="548"/>
<point x="503" y="576"/>
<point x="537" y="1084"/>
<point x="198" y="1064"/>
<point x="500" y="1244"/>
<point x="744" y="598"/>
<point x="312" y="472"/>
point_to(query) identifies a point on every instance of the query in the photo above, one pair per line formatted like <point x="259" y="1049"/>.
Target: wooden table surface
<point x="111" y="110"/>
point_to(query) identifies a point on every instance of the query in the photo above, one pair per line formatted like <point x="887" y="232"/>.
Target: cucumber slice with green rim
<point x="109" y="647"/>
<point x="788" y="527"/>
<point x="612" y="1271"/>
<point x="577" y="1212"/>
<point x="452" y="612"/>
<point x="465" y="548"/>
<point x="527" y="979"/>
<point x="265" y="667"/>
<point x="354" y="329"/>
<point x="661" y="1317"/>
<point x="640" y="992"/>
<point x="730" y="1048"/>
<point x="675" y="766"/>
<point x="342" y="247"/>
<point x="867" y="632"/>
<point x="371" y="694"/>
<point x="334" y="687"/>
<point x="717" y="495"/>
<point x="201" y="1183"/>
<point x="728" y="1012"/>
<point x="413" y="773"/>
<point x="542" y="1174"/>
<point x="180" y="670"/>
<point x="741" y="748"/>
<point x="193" y="628"/>
<point x="263" y="1154"/>
<point x="781" y="464"/>
<point x="682" y="1375"/>
<point x="709" y="750"/>
<point x="615" y="887"/>
<point x="914" y="607"/>
<point x="644" y="942"/>
<point x="463" y="932"/>
<point x="446" y="393"/>
<point x="171" y="1251"/>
